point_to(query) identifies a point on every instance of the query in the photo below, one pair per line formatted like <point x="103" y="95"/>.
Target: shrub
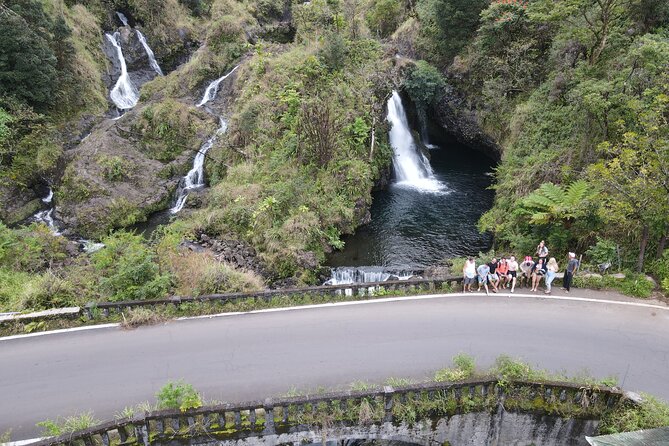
<point x="604" y="251"/>
<point x="424" y="84"/>
<point x="48" y="291"/>
<point x="128" y="270"/>
<point x="178" y="395"/>
<point x="113" y="167"/>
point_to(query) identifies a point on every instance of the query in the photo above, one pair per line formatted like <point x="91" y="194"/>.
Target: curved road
<point x="252" y="356"/>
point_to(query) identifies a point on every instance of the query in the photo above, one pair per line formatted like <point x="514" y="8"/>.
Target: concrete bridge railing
<point x="408" y="404"/>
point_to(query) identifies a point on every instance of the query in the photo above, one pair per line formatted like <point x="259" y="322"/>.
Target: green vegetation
<point x="524" y="390"/>
<point x="178" y="395"/>
<point x="68" y="425"/>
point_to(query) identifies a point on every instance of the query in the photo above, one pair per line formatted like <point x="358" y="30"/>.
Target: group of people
<point x="507" y="272"/>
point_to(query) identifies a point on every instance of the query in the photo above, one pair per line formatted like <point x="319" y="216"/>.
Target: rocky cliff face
<point x="457" y="116"/>
<point x="115" y="177"/>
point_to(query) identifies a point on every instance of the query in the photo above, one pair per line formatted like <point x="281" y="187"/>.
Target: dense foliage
<point x="574" y="92"/>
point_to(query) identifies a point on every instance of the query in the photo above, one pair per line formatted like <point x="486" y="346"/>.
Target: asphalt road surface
<point x="254" y="356"/>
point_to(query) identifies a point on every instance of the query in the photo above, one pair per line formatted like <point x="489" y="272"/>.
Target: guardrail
<point x="274" y="416"/>
<point x="358" y="289"/>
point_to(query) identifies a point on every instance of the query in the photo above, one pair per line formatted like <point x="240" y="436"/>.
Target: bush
<point x="128" y="270"/>
<point x="464" y="367"/>
<point x="604" y="251"/>
<point x="424" y="84"/>
<point x="178" y="395"/>
<point x="652" y="413"/>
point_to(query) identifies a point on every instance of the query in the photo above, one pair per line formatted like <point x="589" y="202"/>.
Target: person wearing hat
<point x="572" y="266"/>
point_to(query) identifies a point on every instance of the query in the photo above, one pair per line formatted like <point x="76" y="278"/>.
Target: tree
<point x="27" y="63"/>
<point x="447" y="26"/>
<point x="634" y="176"/>
<point x="594" y="23"/>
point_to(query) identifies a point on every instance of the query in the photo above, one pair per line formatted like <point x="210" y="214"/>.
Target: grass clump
<point x="650" y="414"/>
<point x="68" y="425"/>
<point x="463" y="368"/>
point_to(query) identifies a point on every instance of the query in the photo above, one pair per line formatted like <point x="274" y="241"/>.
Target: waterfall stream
<point x="149" y="53"/>
<point x="412" y="168"/>
<point x="46" y="216"/>
<point x="124" y="94"/>
<point x="122" y="18"/>
<point x="212" y="90"/>
<point x="194" y="179"/>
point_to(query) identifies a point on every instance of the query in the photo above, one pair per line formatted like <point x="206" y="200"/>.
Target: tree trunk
<point x="642" y="248"/>
<point x="661" y="245"/>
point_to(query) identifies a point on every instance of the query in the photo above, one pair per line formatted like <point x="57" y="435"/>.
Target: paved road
<point x="253" y="356"/>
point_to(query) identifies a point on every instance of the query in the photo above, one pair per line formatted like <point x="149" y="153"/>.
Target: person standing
<point x="483" y="272"/>
<point x="469" y="274"/>
<point x="551" y="272"/>
<point x="572" y="266"/>
<point x="537" y="274"/>
<point x="513" y="271"/>
<point x="542" y="252"/>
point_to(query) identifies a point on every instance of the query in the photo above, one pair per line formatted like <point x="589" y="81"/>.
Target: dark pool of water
<point x="411" y="228"/>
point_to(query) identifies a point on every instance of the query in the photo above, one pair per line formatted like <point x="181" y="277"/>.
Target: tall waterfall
<point x="212" y="90"/>
<point x="412" y="168"/>
<point x="124" y="94"/>
<point x="195" y="177"/>
<point x="46" y="216"/>
<point x="149" y="52"/>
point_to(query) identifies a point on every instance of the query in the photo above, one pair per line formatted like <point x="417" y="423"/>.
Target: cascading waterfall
<point x="124" y="94"/>
<point x="46" y="216"/>
<point x="149" y="52"/>
<point x="194" y="179"/>
<point x="212" y="90"/>
<point x="412" y="168"/>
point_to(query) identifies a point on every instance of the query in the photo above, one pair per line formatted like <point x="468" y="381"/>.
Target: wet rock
<point x="17" y="204"/>
<point x="437" y="272"/>
<point x="458" y="117"/>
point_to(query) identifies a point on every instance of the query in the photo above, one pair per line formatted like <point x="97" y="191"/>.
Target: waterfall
<point x="46" y="216"/>
<point x="122" y="18"/>
<point x="412" y="168"/>
<point x="195" y="177"/>
<point x="366" y="274"/>
<point x="152" y="58"/>
<point x="124" y="94"/>
<point x="212" y="90"/>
